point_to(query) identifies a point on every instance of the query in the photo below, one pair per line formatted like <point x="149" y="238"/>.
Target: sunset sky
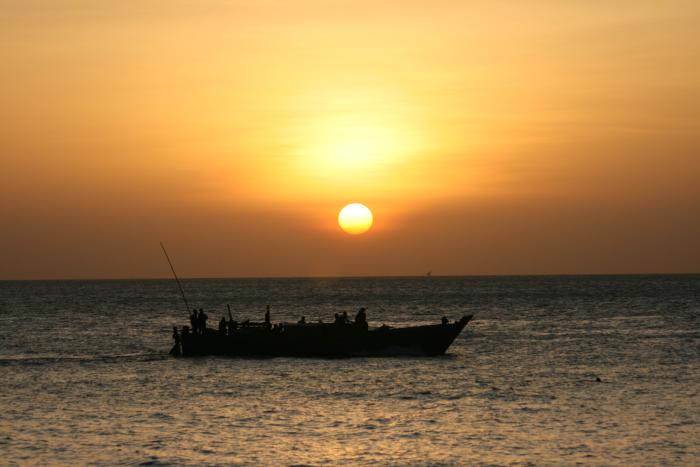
<point x="487" y="137"/>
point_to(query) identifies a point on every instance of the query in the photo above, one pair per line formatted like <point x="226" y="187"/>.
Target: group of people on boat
<point x="227" y="326"/>
<point x="360" y="318"/>
<point x="199" y="321"/>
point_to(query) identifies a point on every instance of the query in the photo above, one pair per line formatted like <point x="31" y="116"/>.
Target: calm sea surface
<point x="86" y="377"/>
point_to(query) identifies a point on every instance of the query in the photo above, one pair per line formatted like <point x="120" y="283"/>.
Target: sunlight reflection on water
<point x="86" y="378"/>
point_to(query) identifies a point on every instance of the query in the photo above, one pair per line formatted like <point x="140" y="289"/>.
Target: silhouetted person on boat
<point x="193" y="321"/>
<point x="445" y="321"/>
<point x="202" y="322"/>
<point x="222" y="325"/>
<point x="176" y="348"/>
<point x="361" y="318"/>
<point x="302" y="320"/>
<point x="268" y="324"/>
<point x="337" y="318"/>
<point x="344" y="318"/>
<point x="232" y="325"/>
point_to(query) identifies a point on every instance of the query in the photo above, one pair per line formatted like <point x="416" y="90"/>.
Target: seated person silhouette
<point x="361" y="318"/>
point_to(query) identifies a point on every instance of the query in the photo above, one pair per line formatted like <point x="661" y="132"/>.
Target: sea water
<point x="85" y="376"/>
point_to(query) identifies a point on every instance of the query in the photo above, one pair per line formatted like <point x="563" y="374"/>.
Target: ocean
<point x="86" y="377"/>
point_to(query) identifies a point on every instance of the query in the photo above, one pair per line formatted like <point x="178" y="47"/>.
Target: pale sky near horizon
<point x="487" y="137"/>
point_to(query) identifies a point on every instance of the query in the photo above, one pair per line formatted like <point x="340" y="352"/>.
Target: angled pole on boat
<point x="184" y="299"/>
<point x="229" y="312"/>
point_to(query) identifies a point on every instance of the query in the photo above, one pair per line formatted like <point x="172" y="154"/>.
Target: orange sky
<point x="487" y="137"/>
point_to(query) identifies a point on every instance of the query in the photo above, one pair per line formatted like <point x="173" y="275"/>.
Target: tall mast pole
<point x="184" y="299"/>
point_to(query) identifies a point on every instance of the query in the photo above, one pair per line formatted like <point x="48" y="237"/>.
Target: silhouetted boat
<point x="322" y="340"/>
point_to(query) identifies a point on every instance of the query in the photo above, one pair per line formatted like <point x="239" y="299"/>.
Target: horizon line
<point x="388" y="276"/>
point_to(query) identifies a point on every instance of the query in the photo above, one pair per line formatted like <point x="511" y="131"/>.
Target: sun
<point x="355" y="218"/>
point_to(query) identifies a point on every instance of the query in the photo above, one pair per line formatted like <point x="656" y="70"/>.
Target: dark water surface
<point x="85" y="376"/>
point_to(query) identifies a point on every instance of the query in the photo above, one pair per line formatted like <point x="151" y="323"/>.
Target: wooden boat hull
<point x="324" y="340"/>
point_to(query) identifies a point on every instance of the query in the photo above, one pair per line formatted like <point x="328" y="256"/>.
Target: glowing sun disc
<point x="355" y="218"/>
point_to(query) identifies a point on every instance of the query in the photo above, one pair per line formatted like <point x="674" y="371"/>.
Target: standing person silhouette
<point x="268" y="324"/>
<point x="176" y="348"/>
<point x="361" y="318"/>
<point x="202" y="321"/>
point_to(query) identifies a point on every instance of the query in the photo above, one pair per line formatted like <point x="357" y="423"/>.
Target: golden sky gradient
<point x="488" y="137"/>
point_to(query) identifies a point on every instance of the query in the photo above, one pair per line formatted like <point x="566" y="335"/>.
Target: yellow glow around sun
<point x="352" y="146"/>
<point x="355" y="218"/>
<point x="352" y="135"/>
<point x="345" y="139"/>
